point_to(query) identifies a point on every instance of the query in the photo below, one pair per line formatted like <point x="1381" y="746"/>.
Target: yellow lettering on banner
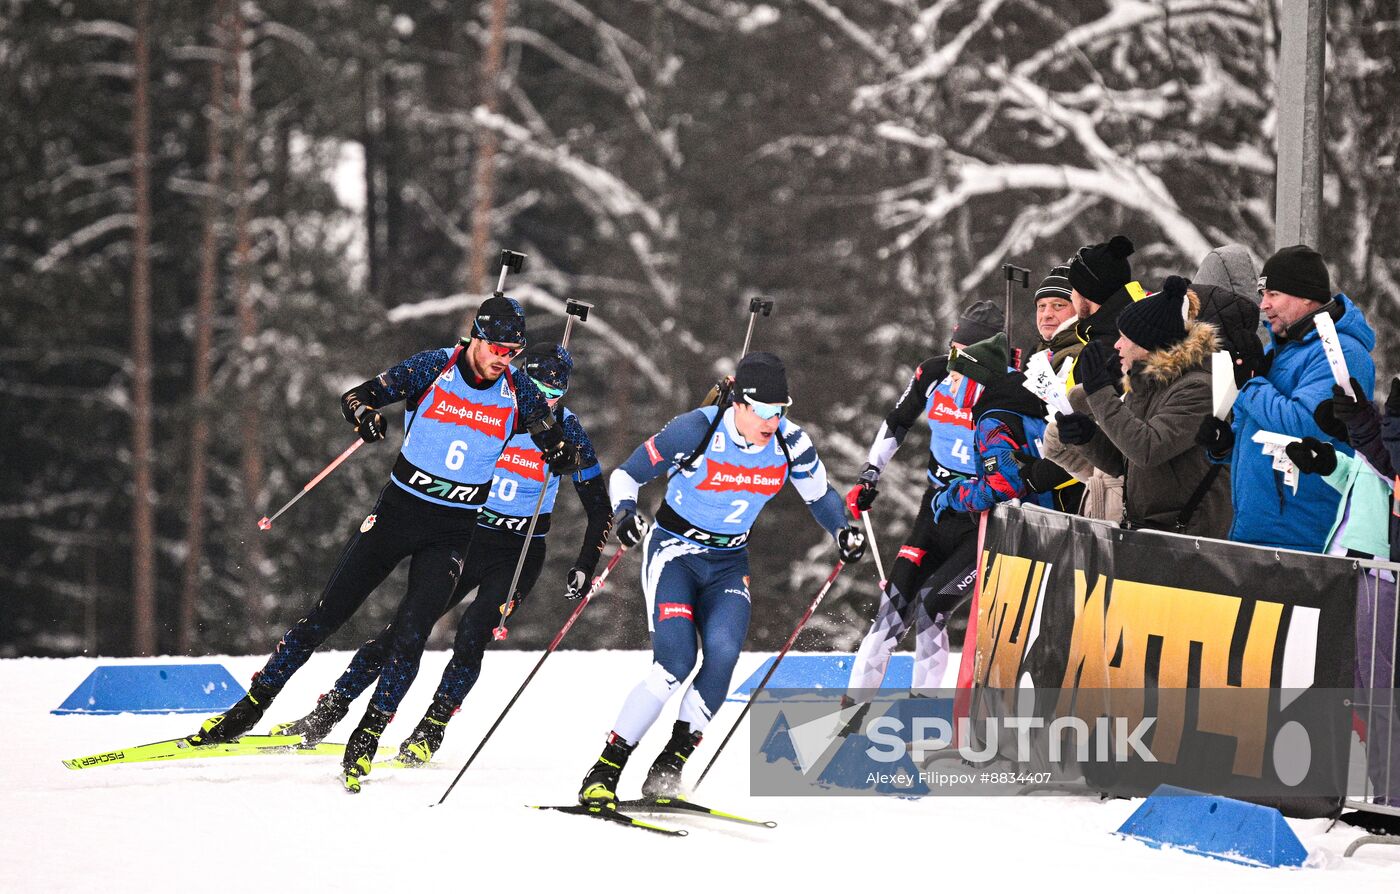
<point x="1223" y="708"/>
<point x="1122" y="621"/>
<point x="1006" y="608"/>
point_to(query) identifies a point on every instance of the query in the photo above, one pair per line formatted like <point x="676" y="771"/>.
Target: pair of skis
<point x="185" y="748"/>
<point x="621" y="813"/>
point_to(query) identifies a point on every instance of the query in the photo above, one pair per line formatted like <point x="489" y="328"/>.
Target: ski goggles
<point x="500" y="349"/>
<point x="549" y="392"/>
<point x="768" y="411"/>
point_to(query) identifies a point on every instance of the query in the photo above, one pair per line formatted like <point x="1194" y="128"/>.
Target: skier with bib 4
<point x="723" y="464"/>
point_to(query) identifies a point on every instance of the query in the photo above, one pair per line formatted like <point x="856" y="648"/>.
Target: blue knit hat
<point x="501" y="319"/>
<point x="549" y="365"/>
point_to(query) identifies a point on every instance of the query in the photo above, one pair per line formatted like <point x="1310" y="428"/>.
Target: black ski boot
<point x="599" y="787"/>
<point x="238" y="720"/>
<point x="362" y="744"/>
<point x="426" y="738"/>
<point x="330" y="709"/>
<point x="664" y="778"/>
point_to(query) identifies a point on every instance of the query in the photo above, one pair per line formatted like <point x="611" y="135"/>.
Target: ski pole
<point x="757" y="304"/>
<point x="874" y="549"/>
<point x="500" y="632"/>
<point x="593" y="590"/>
<point x="265" y="523"/>
<point x="573" y="308"/>
<point x="830" y="579"/>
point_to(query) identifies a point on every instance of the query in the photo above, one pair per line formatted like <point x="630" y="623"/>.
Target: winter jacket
<point x="1227" y="286"/>
<point x="1103" y="493"/>
<point x="1149" y="437"/>
<point x="1364" y="507"/>
<point x="1377" y="438"/>
<point x="1267" y="512"/>
<point x="1101" y="325"/>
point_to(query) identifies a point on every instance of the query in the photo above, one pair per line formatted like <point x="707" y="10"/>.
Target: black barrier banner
<point x="1221" y="643"/>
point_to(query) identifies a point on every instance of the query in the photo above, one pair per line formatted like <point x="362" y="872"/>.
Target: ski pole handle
<point x="265" y="523"/>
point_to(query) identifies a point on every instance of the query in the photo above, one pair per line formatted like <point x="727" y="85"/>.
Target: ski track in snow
<point x="284" y="822"/>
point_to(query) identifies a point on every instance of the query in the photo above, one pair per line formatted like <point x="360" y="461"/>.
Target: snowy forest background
<point x="328" y="181"/>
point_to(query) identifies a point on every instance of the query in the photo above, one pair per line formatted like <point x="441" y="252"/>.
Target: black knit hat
<point x="761" y="377"/>
<point x="1159" y="320"/>
<point x="1054" y="285"/>
<point x="1097" y="271"/>
<point x="978" y="321"/>
<point x="1297" y="270"/>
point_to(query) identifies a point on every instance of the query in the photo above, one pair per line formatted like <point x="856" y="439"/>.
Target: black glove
<point x="577" y="583"/>
<point x="563" y="458"/>
<point x="1076" y="428"/>
<point x="862" y="496"/>
<point x="1216" y="436"/>
<point x="1099" y="366"/>
<point x="1040" y="474"/>
<point x="629" y="525"/>
<point x="1347" y="408"/>
<point x="1313" y="456"/>
<point x="368" y="422"/>
<point x="850" y="542"/>
<point x="1392" y="403"/>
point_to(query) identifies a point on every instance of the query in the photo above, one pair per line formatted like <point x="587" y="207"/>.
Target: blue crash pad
<point x="154" y="689"/>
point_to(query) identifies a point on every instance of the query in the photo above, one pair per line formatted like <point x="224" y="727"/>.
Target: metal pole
<point x="1301" y="61"/>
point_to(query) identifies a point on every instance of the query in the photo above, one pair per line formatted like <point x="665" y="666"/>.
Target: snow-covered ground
<point x="283" y="823"/>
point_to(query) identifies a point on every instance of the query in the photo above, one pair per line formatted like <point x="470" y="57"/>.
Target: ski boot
<point x="599" y="787"/>
<point x="664" y="778"/>
<point x="426" y="738"/>
<point x="330" y="709"/>
<point x="236" y="721"/>
<point x="361" y="746"/>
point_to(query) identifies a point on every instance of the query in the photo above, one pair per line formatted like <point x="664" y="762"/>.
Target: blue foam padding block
<point x="777" y="745"/>
<point x="851" y="768"/>
<point x="154" y="689"/>
<point x="823" y="672"/>
<point x="910" y="709"/>
<point x="1211" y="826"/>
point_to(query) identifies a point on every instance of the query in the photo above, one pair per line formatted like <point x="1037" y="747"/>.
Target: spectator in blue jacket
<point x="1294" y="289"/>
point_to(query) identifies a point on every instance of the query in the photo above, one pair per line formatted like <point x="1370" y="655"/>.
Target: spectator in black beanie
<point x="1148" y="436"/>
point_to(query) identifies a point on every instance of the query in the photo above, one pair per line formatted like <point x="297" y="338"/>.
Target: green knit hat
<point x="984" y="361"/>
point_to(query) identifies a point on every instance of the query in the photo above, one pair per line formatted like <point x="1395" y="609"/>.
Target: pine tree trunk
<point x="484" y="180"/>
<point x="250" y="412"/>
<point x="143" y="560"/>
<point x="203" y="340"/>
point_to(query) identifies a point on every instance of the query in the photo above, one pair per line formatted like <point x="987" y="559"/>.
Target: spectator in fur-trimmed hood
<point x="1148" y="436"/>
